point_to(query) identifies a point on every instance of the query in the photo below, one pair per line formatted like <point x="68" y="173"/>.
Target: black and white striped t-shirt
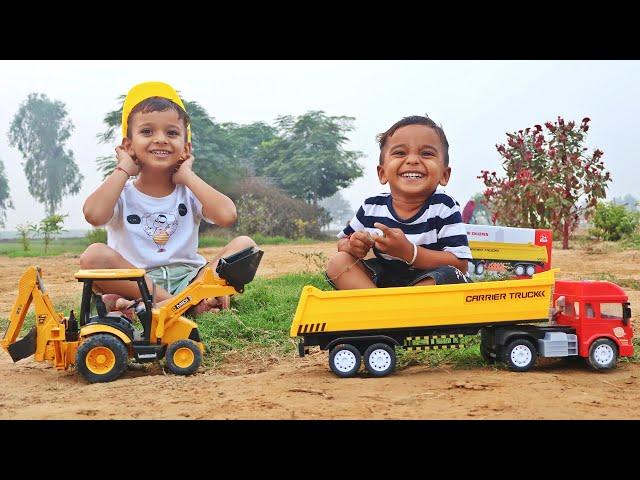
<point x="437" y="226"/>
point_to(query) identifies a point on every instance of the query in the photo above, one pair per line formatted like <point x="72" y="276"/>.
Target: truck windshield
<point x="612" y="311"/>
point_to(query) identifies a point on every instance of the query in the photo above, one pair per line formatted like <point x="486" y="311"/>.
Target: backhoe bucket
<point x="240" y="268"/>
<point x="23" y="348"/>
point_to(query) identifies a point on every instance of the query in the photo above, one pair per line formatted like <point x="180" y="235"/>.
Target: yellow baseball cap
<point x="145" y="90"/>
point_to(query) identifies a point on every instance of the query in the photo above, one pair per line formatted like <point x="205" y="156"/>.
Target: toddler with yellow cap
<point x="153" y="202"/>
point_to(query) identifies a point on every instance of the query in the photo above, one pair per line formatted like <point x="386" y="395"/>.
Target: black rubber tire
<point x="355" y="367"/>
<point x="185" y="370"/>
<point x="388" y="368"/>
<point x="518" y="343"/>
<point x="594" y="363"/>
<point x="106" y="340"/>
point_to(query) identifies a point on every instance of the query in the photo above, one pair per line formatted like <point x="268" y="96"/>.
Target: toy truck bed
<point x="409" y="308"/>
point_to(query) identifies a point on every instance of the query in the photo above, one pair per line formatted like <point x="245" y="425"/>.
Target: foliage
<point x="339" y="210"/>
<point x="266" y="209"/>
<point x="5" y="201"/>
<point x="96" y="235"/>
<point x="39" y="130"/>
<point x="25" y="229"/>
<point x="308" y="159"/>
<point x="49" y="227"/>
<point x="629" y="201"/>
<point x="612" y="222"/>
<point x="550" y="181"/>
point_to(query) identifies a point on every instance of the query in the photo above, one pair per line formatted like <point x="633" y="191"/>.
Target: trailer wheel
<point x="531" y="270"/>
<point x="344" y="360"/>
<point x="480" y="269"/>
<point x="102" y="358"/>
<point x="380" y="359"/>
<point x="519" y="269"/>
<point x="603" y="354"/>
<point x="519" y="355"/>
<point x="183" y="357"/>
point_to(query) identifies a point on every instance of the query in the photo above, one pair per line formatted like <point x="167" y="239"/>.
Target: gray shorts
<point x="384" y="277"/>
<point x="175" y="277"/>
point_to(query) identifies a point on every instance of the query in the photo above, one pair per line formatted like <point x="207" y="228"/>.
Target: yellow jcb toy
<point x="101" y="345"/>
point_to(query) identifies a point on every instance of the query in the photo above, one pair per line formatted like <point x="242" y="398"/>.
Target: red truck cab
<point x="599" y="312"/>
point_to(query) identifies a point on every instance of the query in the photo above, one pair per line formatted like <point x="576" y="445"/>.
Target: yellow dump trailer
<point x="371" y="323"/>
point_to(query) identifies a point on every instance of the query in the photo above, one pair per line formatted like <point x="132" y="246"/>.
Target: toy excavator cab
<point x="240" y="268"/>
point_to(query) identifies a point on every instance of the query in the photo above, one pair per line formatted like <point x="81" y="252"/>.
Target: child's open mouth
<point x="412" y="176"/>
<point x="161" y="153"/>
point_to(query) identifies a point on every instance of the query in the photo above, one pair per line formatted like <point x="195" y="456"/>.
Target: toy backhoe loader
<point x="100" y="346"/>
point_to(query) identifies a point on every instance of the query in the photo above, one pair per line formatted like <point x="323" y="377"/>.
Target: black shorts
<point x="407" y="276"/>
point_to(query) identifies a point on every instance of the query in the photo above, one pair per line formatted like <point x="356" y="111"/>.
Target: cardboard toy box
<point x="508" y="250"/>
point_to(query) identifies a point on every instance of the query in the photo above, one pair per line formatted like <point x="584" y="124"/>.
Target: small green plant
<point x="49" y="227"/>
<point x="96" y="235"/>
<point x="319" y="259"/>
<point x="613" y="222"/>
<point x="25" y="230"/>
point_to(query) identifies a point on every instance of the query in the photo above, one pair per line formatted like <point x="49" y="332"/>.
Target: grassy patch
<point x="211" y="241"/>
<point x="36" y="248"/>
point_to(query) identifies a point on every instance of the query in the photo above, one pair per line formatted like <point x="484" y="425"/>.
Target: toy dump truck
<point x="498" y="249"/>
<point x="371" y="324"/>
<point x="101" y="345"/>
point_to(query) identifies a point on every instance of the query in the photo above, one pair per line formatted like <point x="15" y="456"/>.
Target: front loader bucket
<point x="240" y="268"/>
<point x="23" y="348"/>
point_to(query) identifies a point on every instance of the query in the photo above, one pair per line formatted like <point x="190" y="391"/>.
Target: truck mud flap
<point x="23" y="348"/>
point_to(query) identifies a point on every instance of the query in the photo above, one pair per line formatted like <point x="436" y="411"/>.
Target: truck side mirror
<point x="626" y="313"/>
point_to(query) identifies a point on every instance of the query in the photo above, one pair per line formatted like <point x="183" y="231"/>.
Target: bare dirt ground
<point x="265" y="387"/>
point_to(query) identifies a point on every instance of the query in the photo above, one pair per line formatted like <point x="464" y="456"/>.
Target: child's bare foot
<point x="117" y="303"/>
<point x="206" y="305"/>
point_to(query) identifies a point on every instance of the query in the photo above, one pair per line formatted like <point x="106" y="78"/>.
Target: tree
<point x="5" y="200"/>
<point x="340" y="211"/>
<point x="49" y="227"/>
<point x="308" y="159"/>
<point x="223" y="152"/>
<point x="25" y="230"/>
<point x="550" y="179"/>
<point x="39" y="130"/>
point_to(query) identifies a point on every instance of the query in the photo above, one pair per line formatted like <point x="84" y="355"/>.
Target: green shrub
<point x="613" y="222"/>
<point x="96" y="235"/>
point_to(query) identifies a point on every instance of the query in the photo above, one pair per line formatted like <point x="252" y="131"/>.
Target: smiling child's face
<point x="414" y="162"/>
<point x="157" y="139"/>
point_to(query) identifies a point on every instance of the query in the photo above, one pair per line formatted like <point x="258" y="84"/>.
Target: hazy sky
<point x="475" y="101"/>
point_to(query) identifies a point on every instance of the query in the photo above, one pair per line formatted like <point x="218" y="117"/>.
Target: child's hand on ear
<point x="393" y="242"/>
<point x="125" y="161"/>
<point x="183" y="171"/>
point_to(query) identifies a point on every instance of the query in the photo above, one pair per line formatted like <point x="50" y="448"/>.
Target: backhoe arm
<point x="30" y="289"/>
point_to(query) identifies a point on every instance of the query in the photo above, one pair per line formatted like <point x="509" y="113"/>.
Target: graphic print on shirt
<point x="160" y="226"/>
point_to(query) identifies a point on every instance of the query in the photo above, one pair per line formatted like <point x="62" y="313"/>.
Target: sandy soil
<point x="263" y="387"/>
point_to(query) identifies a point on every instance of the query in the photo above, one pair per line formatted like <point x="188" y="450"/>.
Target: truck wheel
<point x="102" y="358"/>
<point x="344" y="360"/>
<point x="519" y="355"/>
<point x="183" y="357"/>
<point x="519" y="269"/>
<point x="480" y="269"/>
<point x="380" y="359"/>
<point x="603" y="354"/>
<point x="531" y="270"/>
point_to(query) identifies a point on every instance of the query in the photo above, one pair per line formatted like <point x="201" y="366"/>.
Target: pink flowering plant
<point x="550" y="180"/>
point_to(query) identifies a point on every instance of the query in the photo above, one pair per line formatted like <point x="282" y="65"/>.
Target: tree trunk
<point x="565" y="235"/>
